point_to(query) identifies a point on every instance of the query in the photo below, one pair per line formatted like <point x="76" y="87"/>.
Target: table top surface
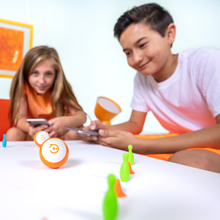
<point x="158" y="189"/>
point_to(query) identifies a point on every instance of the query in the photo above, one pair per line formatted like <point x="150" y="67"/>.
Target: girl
<point x="40" y="90"/>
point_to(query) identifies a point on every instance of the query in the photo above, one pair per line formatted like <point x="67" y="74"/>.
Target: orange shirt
<point x="38" y="106"/>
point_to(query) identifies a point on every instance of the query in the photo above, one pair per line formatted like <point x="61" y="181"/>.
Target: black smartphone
<point x="81" y="131"/>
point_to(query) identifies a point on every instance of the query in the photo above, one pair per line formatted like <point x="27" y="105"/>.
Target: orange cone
<point x="118" y="190"/>
<point x="131" y="171"/>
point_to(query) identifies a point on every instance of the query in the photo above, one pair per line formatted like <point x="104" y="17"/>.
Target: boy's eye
<point x="142" y="45"/>
<point x="128" y="53"/>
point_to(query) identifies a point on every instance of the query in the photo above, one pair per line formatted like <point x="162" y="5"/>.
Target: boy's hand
<point x="95" y="125"/>
<point x="116" y="139"/>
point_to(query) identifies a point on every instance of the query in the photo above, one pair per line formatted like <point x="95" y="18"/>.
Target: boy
<point x="182" y="91"/>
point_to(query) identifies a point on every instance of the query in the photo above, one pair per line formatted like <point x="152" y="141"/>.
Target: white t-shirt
<point x="189" y="99"/>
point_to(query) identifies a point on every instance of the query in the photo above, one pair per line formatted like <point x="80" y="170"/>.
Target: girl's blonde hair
<point x="62" y="93"/>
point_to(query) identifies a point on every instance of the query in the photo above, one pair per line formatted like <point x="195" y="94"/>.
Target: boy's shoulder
<point x="198" y="62"/>
<point x="196" y="53"/>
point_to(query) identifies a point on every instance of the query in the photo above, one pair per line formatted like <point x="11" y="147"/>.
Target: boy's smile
<point x="148" y="52"/>
<point x="42" y="77"/>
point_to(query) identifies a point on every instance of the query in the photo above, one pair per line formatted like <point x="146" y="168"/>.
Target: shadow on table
<point x="12" y="144"/>
<point x="71" y="163"/>
<point x="37" y="164"/>
<point x="34" y="164"/>
<point x="82" y="214"/>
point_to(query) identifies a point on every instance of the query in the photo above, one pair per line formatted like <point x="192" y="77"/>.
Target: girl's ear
<point x="171" y="33"/>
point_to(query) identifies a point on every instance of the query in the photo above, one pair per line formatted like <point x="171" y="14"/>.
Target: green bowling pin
<point x="130" y="155"/>
<point x="125" y="171"/>
<point x="110" y="203"/>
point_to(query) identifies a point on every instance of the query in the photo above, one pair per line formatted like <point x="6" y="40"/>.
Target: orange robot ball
<point x="54" y="153"/>
<point x="40" y="137"/>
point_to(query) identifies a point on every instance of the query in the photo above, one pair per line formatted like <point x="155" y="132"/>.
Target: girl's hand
<point x="33" y="130"/>
<point x="58" y="124"/>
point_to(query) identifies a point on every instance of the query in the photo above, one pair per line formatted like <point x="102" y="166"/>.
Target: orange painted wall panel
<point x="11" y="48"/>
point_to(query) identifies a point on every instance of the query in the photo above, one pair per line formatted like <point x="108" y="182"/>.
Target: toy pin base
<point x="106" y="122"/>
<point x="118" y="189"/>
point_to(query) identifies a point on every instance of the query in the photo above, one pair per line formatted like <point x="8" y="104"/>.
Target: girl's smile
<point x="41" y="88"/>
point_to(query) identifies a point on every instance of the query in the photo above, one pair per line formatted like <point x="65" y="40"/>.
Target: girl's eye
<point x="48" y="74"/>
<point x="34" y="73"/>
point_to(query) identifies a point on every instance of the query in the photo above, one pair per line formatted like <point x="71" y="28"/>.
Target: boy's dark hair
<point x="152" y="14"/>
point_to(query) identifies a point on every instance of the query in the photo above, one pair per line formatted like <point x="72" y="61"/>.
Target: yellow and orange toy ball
<point x="40" y="137"/>
<point x="54" y="152"/>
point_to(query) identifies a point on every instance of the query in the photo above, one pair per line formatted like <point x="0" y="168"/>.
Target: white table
<point x="158" y="190"/>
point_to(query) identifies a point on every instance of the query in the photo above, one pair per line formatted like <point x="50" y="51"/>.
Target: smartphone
<point x="81" y="131"/>
<point x="37" y="121"/>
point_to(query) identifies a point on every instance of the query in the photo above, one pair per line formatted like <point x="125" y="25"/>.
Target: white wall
<point x="82" y="33"/>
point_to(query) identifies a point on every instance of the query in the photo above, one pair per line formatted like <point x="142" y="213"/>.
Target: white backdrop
<point x="93" y="61"/>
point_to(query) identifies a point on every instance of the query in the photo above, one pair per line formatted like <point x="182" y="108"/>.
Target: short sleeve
<point x="208" y="78"/>
<point x="138" y="102"/>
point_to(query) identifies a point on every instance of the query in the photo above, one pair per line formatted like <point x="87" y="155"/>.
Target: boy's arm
<point x="206" y="137"/>
<point x="134" y="125"/>
<point x="20" y="120"/>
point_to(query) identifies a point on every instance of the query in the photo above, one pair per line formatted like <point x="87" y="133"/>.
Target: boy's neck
<point x="168" y="69"/>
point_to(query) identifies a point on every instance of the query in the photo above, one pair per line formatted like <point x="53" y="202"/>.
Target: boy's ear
<point x="171" y="33"/>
